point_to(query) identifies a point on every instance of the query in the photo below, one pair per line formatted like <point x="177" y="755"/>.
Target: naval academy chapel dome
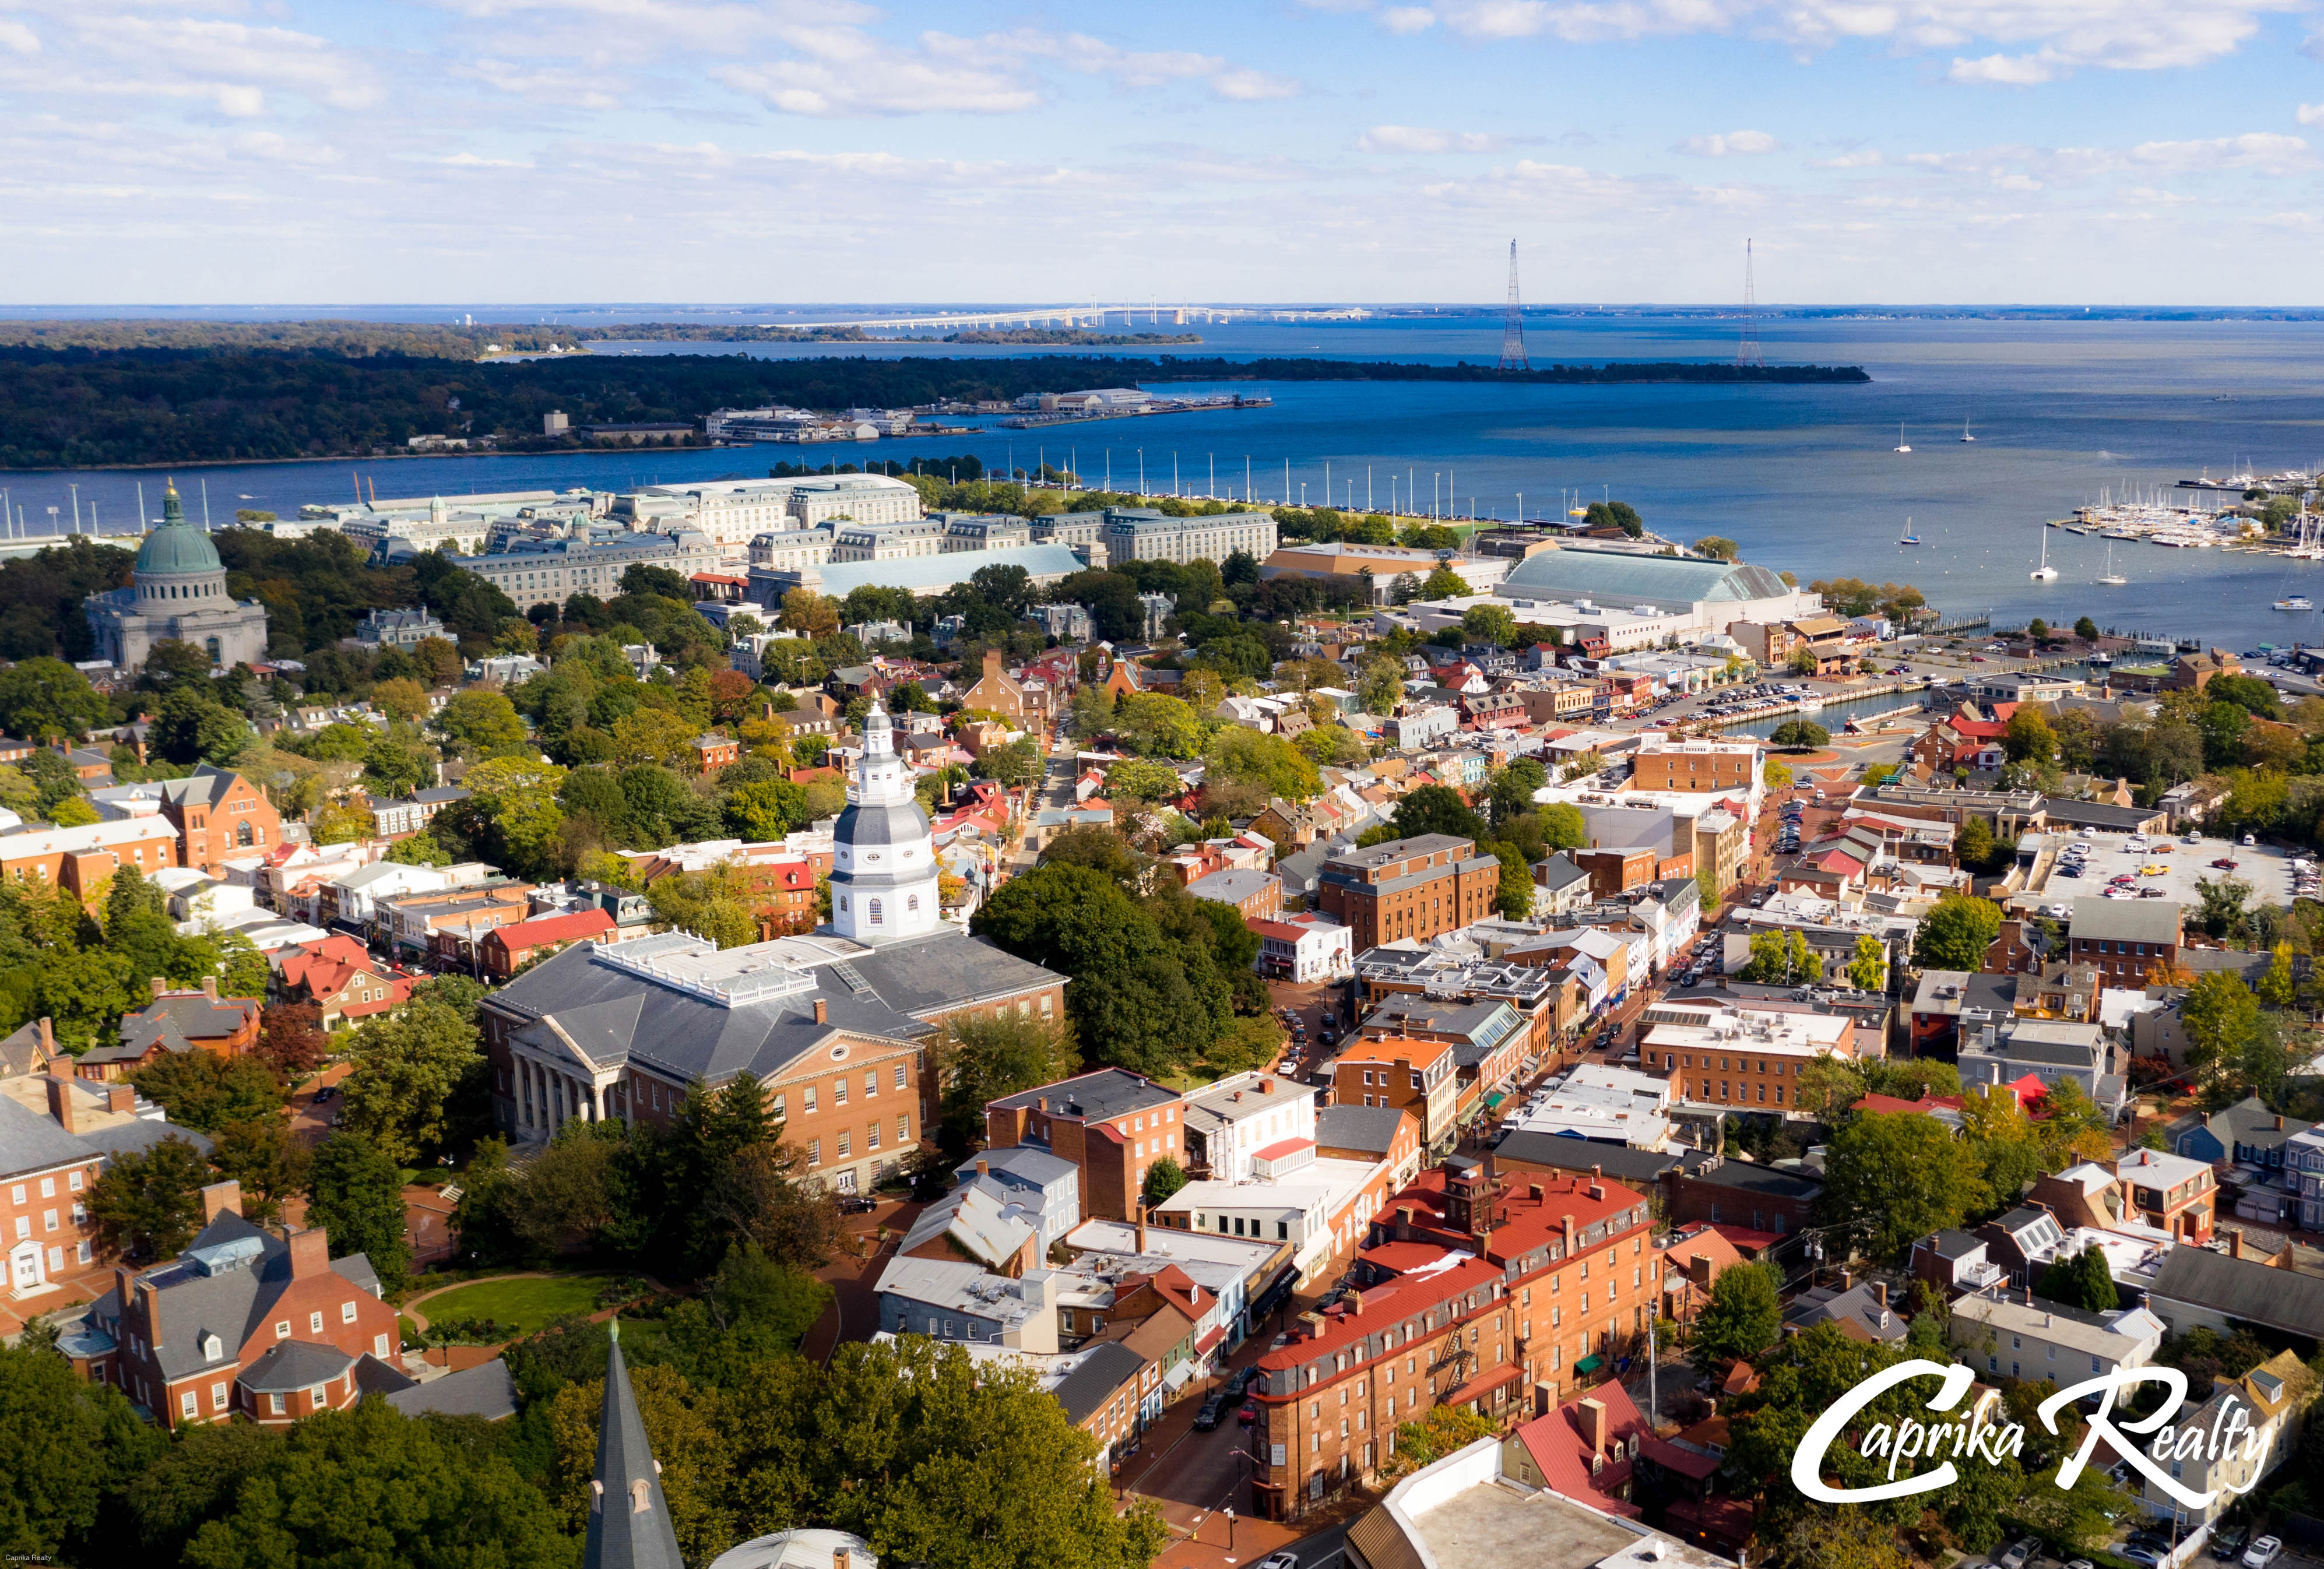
<point x="177" y="546"/>
<point x="177" y="593"/>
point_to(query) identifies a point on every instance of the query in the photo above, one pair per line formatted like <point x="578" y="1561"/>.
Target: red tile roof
<point x="1558" y="1448"/>
<point x="571" y="926"/>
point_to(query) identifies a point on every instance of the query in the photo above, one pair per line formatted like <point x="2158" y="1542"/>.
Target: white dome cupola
<point x="883" y="865"/>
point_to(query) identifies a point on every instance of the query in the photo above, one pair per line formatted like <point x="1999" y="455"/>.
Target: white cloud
<point x="1427" y="139"/>
<point x="2312" y="114"/>
<point x="18" y="39"/>
<point x="2262" y="150"/>
<point x="904" y="87"/>
<point x="1862" y="158"/>
<point x="1732" y="143"/>
<point x="2064" y="35"/>
<point x="1407" y="20"/>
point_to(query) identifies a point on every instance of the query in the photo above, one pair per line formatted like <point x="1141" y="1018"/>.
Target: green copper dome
<point x="177" y="546"/>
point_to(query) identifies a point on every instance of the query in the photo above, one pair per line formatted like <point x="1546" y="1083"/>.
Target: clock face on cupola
<point x="883" y="865"/>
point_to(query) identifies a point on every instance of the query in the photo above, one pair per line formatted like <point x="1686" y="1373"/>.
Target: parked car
<point x="2142" y="1553"/>
<point x="2267" y="1549"/>
<point x="2228" y="1542"/>
<point x="1279" y="1561"/>
<point x="1241" y="1379"/>
<point x="2020" y="1553"/>
<point x="1208" y="1416"/>
<point x="1249" y="1413"/>
<point x="857" y="1203"/>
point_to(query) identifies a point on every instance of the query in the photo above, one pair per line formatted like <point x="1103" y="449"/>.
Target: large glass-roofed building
<point x="1718" y="591"/>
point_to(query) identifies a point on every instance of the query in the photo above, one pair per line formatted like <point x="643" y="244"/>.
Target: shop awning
<point x="1588" y="1364"/>
<point x="1493" y="1101"/>
<point x="1177" y="1376"/>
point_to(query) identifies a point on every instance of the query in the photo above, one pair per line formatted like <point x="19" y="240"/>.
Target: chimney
<point x="48" y="1040"/>
<point x="120" y="1097"/>
<point x="2235" y="1244"/>
<point x="1880" y="1292"/>
<point x="1533" y="1191"/>
<point x="1698" y="1270"/>
<point x="1355" y="1301"/>
<point x="209" y="987"/>
<point x="1593" y="1414"/>
<point x="1141" y="1226"/>
<point x="1569" y="1235"/>
<point x="1846" y="1279"/>
<point x="1267" y="1087"/>
<point x="841" y="1558"/>
<point x="821" y="1011"/>
<point x="2279" y="1122"/>
<point x="61" y="1105"/>
<point x="1598" y="1191"/>
<point x="1313" y="1323"/>
<point x="311" y="1252"/>
<point x="159" y="986"/>
<point x="983" y="1167"/>
<point x="149" y="1312"/>
<point x="219" y="1198"/>
<point x="992" y="663"/>
<point x="1596" y="1174"/>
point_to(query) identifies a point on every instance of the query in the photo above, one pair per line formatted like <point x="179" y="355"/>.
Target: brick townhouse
<point x="245" y="1321"/>
<point x="1476" y="1293"/>
<point x="1112" y="1124"/>
<point x="57" y="1134"/>
<point x="78" y="860"/>
<point x="217" y="813"/>
<point x="1408" y="888"/>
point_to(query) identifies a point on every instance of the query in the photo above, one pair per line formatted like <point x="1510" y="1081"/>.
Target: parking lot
<point x="2085" y="865"/>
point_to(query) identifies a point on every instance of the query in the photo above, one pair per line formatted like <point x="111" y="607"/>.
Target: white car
<point x="2263" y="1553"/>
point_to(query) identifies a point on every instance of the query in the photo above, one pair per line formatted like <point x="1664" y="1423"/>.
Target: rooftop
<point x="1091" y="1096"/>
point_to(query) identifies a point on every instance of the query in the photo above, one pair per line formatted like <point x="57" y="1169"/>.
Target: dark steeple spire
<point x="628" y="1518"/>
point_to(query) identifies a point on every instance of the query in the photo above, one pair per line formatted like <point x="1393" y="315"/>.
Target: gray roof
<point x="2135" y="920"/>
<point x="174" y="1023"/>
<point x="2283" y="1299"/>
<point x="2099" y="814"/>
<point x="630" y="1526"/>
<point x="1560" y="1152"/>
<point x="205" y="786"/>
<point x="615" y="1015"/>
<point x="1367" y="1127"/>
<point x="1389" y="850"/>
<point x="484" y="1390"/>
<point x="1084" y="1391"/>
<point x="20" y="1053"/>
<point x="1757" y="1178"/>
<point x="32" y="1141"/>
<point x="1559" y="873"/>
<point x="982" y="1220"/>
<point x="1107" y="1093"/>
<point x="1027" y="1163"/>
<point x="193" y="1301"/>
<point x="1953" y="1244"/>
<point x="2249" y="1122"/>
<point x="1858" y="1305"/>
<point x="141" y="1133"/>
<point x="1232" y="886"/>
<point x="1616" y="577"/>
<point x="295" y="1364"/>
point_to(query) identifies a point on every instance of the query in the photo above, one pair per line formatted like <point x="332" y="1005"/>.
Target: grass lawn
<point x="524" y="1305"/>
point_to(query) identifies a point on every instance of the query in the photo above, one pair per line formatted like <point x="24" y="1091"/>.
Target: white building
<point x="883" y="872"/>
<point x="2017" y="1338"/>
<point x="1144" y="534"/>
<point x="1229" y="1122"/>
<point x="1304" y="948"/>
<point x="731" y="513"/>
<point x="1294" y="1196"/>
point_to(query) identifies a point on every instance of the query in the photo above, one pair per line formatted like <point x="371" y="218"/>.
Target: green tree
<point x="2223" y="1021"/>
<point x="263" y="1155"/>
<point x="315" y="1501"/>
<point x="147" y="1203"/>
<point x="1781" y="957"/>
<point x="2087" y="630"/>
<point x="1143" y="784"/>
<point x="1443" y="583"/>
<point x="1488" y="623"/>
<point x="2083" y="1281"/>
<point x="420" y="849"/>
<point x="1436" y="809"/>
<point x="1828" y="1086"/>
<point x="47" y="700"/>
<point x="1562" y="827"/>
<point x="2277" y="987"/>
<point x="1975" y="846"/>
<point x="1510" y="793"/>
<point x="1777" y="775"/>
<point x="407" y="1066"/>
<point x="1897" y="1178"/>
<point x="1263" y="762"/>
<point x="1741" y="1319"/>
<point x="52" y="1512"/>
<point x="1513" y="891"/>
<point x="355" y="1191"/>
<point x="480" y="722"/>
<point x="1801" y="734"/>
<point x="765" y="809"/>
<point x="192" y="728"/>
<point x="1163" y="1179"/>
<point x="205" y="1092"/>
<point x="978" y="1058"/>
<point x="1869" y="970"/>
<point x="1718" y="550"/>
<point x="2029" y="738"/>
<point x="1379" y="685"/>
<point x="1956" y="933"/>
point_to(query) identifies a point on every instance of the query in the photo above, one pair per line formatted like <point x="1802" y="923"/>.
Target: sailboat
<point x="1901" y="445"/>
<point x="2044" y="573"/>
<point x="2112" y="580"/>
<point x="1910" y="536"/>
<point x="1965" y="435"/>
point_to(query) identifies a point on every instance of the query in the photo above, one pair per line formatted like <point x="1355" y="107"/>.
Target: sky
<point x="2080" y="151"/>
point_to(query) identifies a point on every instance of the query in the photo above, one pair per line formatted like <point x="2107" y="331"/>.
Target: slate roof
<point x="631" y="1529"/>
<point x="1027" y="1163"/>
<point x="175" y="1023"/>
<point x="982" y="1219"/>
<point x="484" y="1390"/>
<point x="2137" y="921"/>
<point x="294" y="1364"/>
<point x="2281" y="1299"/>
<point x="1856" y="1310"/>
<point x="1107" y="1093"/>
<point x="1371" y="1129"/>
<point x="205" y="786"/>
<point x="2249" y="1122"/>
<point x="232" y="1304"/>
<point x="1085" y="1390"/>
<point x="615" y="1015"/>
<point x="1619" y="1161"/>
<point x="20" y="1053"/>
<point x="32" y="1141"/>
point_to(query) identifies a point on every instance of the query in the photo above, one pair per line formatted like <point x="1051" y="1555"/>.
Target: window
<point x="47" y="1188"/>
<point x="319" y="1395"/>
<point x="282" y="1329"/>
<point x="899" y="1076"/>
<point x="871" y="1084"/>
<point x="72" y="1181"/>
<point x="806" y="1100"/>
<point x="904" y="1130"/>
<point x="875" y="912"/>
<point x="217" y="1397"/>
<point x="842" y="1146"/>
<point x="274" y="1405"/>
<point x="815" y="1152"/>
<point x="315" y="1322"/>
<point x="188" y="1406"/>
<point x="839" y="1092"/>
<point x="379" y="1346"/>
<point x="347" y="1311"/>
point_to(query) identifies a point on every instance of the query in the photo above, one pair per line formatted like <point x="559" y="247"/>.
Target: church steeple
<point x="629" y="1519"/>
<point x="883" y="872"/>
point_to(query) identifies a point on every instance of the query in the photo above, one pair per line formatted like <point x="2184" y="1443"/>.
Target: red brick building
<point x="1408" y="888"/>
<point x="1557" y="1279"/>
<point x="508" y="949"/>
<point x="1112" y="1124"/>
<point x="245" y="1321"/>
<point x="176" y="1021"/>
<point x="217" y="813"/>
<point x="341" y="979"/>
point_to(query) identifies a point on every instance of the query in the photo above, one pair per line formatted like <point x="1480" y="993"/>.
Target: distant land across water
<point x="2064" y="409"/>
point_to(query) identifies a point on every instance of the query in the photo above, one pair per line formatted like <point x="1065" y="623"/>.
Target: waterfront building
<point x="176" y="593"/>
<point x="551" y="572"/>
<point x="1715" y="593"/>
<point x="1145" y="534"/>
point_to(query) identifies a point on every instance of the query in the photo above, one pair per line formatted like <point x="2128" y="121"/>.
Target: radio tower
<point x="1747" y="353"/>
<point x="1513" y="354"/>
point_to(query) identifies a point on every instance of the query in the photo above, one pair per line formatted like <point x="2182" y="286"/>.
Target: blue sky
<point x="479" y="151"/>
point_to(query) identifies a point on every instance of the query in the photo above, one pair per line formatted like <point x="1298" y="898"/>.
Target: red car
<point x="2225" y="863"/>
<point x="1249" y="1413"/>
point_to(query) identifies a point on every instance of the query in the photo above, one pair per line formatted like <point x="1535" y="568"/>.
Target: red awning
<point x="1210" y="1340"/>
<point x="1484" y="1384"/>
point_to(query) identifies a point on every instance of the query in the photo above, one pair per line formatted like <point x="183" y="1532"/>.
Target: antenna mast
<point x="1747" y="353"/>
<point x="1513" y="354"/>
